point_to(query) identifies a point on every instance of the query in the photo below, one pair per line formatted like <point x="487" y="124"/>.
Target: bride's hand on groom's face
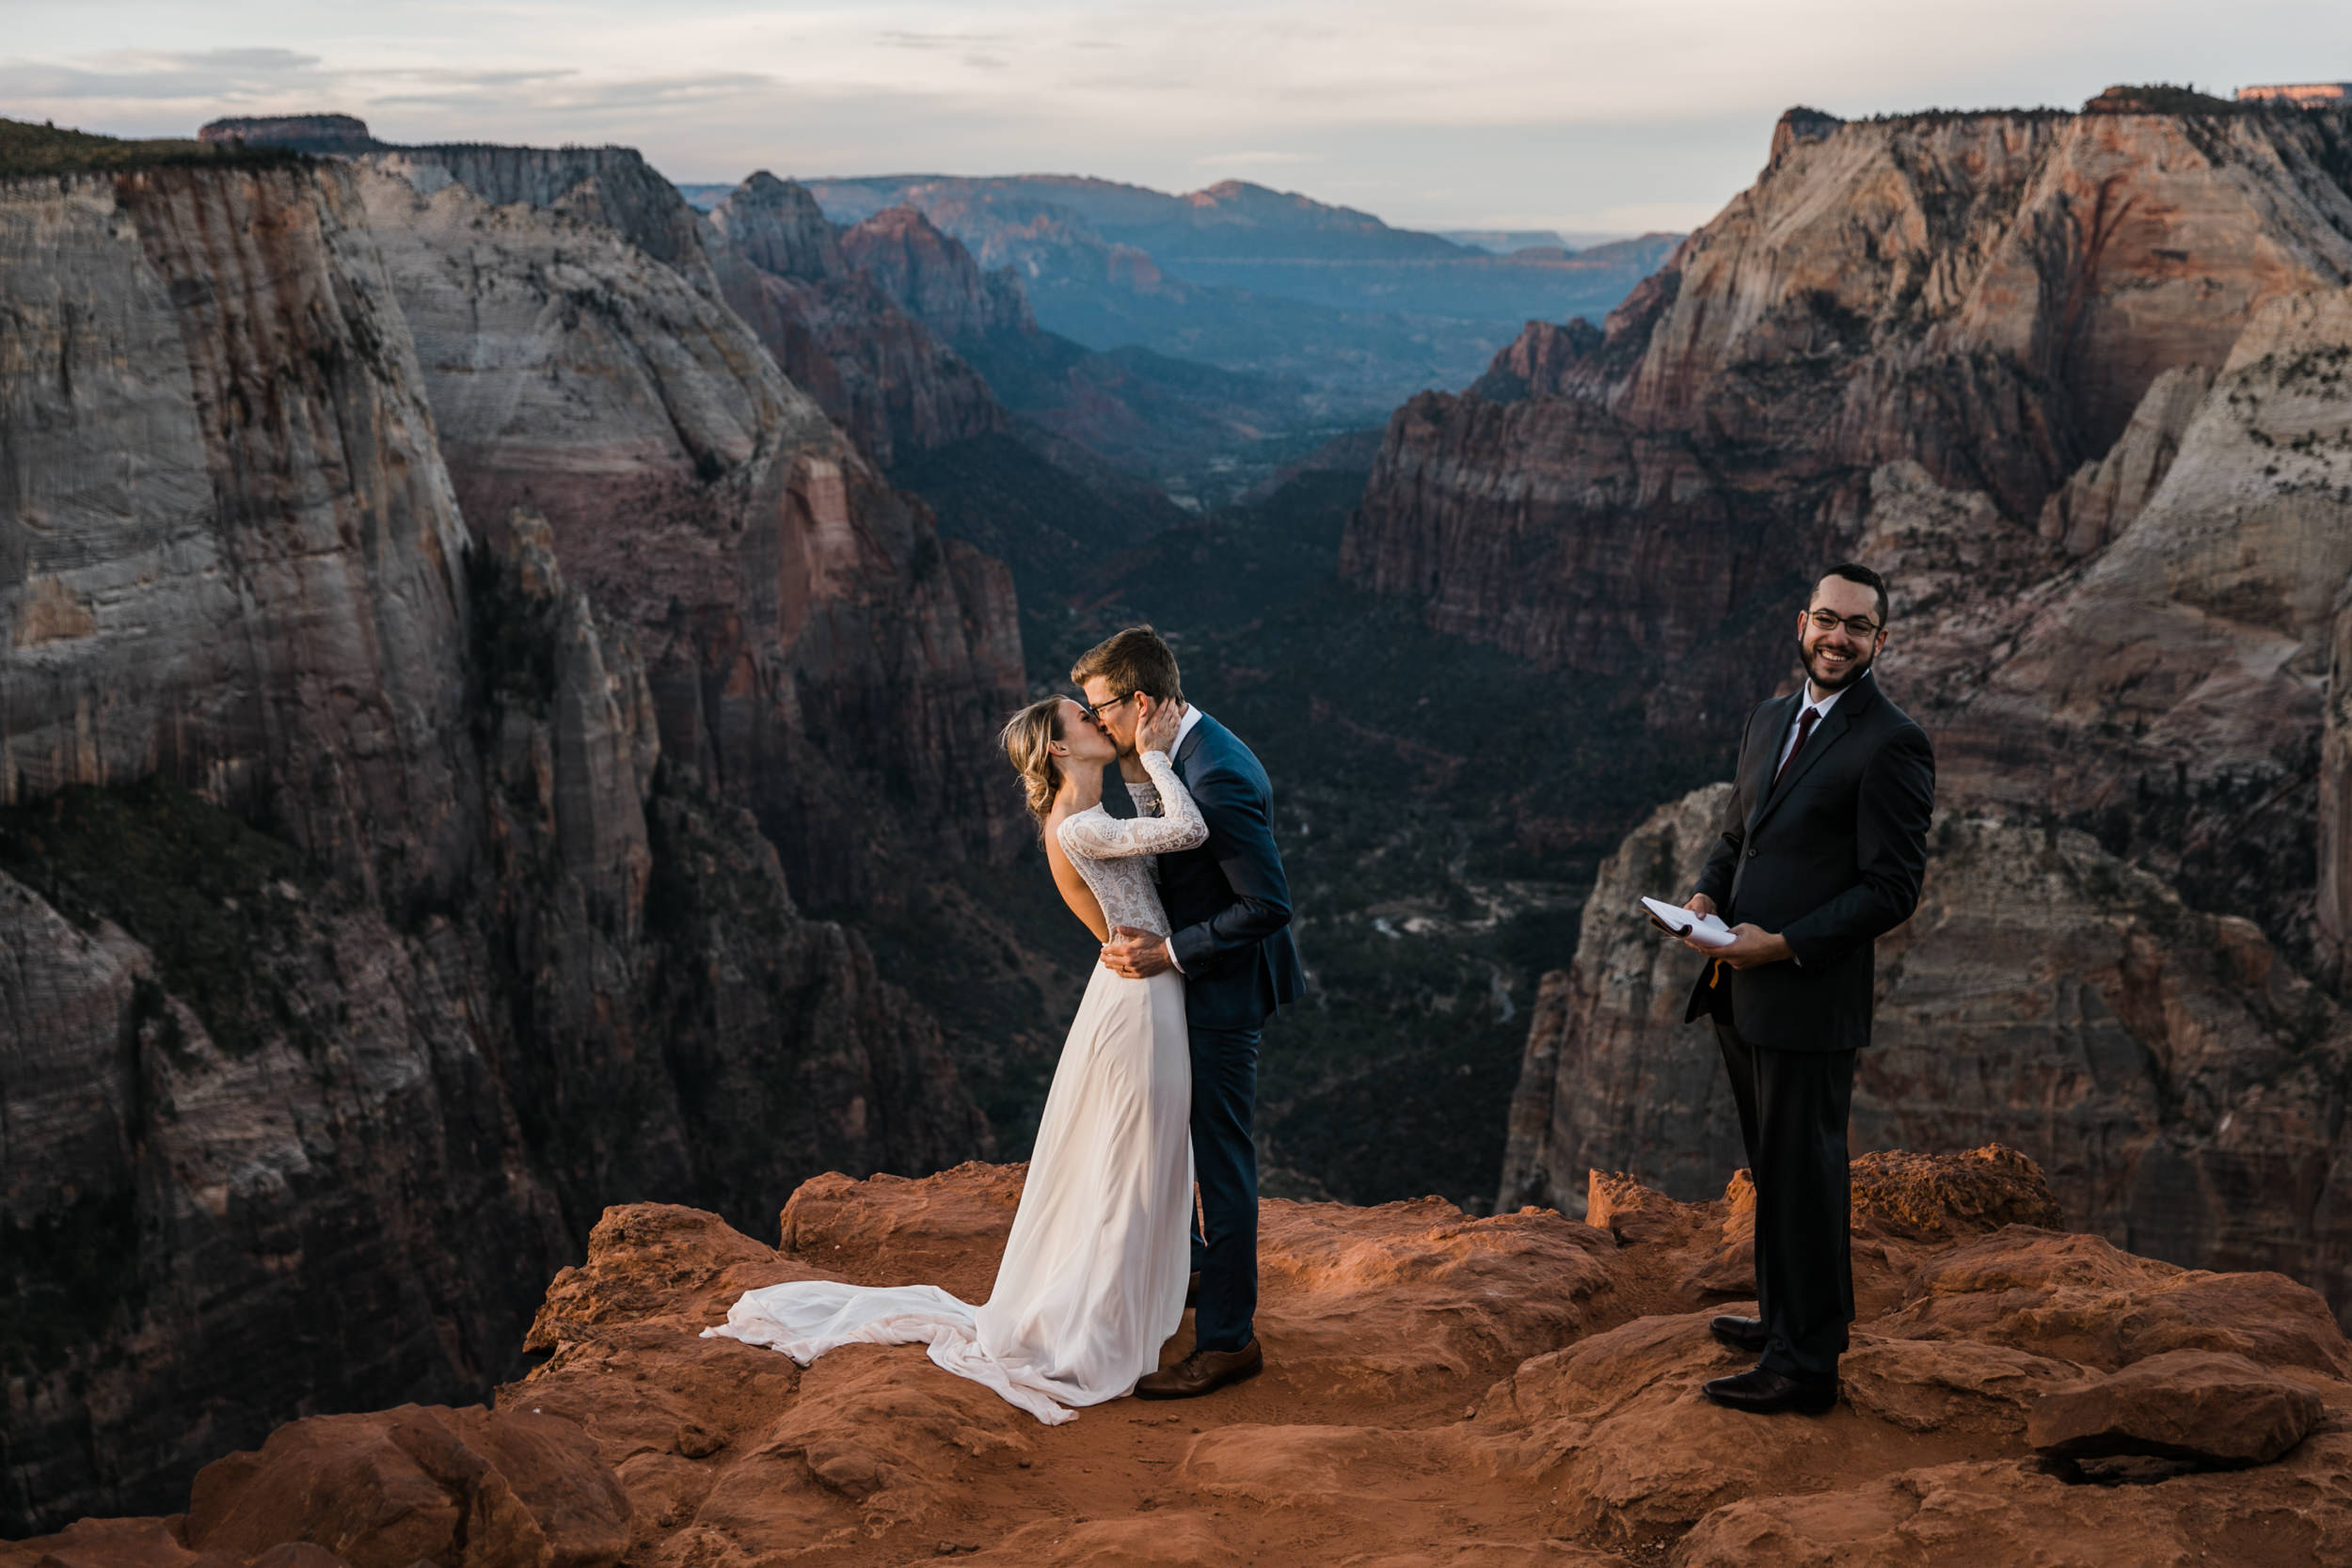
<point x="1157" y="732"/>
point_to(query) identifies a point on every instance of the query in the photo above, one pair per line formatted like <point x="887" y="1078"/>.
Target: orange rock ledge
<point x="1518" y="1390"/>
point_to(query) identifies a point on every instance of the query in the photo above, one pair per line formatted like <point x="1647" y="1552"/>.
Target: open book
<point x="1704" y="930"/>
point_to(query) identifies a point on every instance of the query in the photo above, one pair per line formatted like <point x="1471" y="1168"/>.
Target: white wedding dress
<point x="1092" y="1280"/>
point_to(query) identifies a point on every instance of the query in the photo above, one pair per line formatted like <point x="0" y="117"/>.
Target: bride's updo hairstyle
<point x="1027" y="736"/>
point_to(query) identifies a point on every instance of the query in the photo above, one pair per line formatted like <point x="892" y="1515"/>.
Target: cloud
<point x="899" y="38"/>
<point x="1258" y="159"/>
<point x="1581" y="113"/>
<point x="167" y="75"/>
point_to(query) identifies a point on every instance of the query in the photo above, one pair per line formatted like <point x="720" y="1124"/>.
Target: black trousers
<point x="1225" y="1163"/>
<point x="1792" y="1117"/>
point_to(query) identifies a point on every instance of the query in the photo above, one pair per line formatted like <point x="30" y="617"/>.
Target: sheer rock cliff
<point x="366" y="931"/>
<point x="2076" y="384"/>
<point x="816" y="650"/>
<point x="2179" y="1085"/>
<point x="882" y="369"/>
<point x="1990" y="297"/>
<point x="1439" y="1390"/>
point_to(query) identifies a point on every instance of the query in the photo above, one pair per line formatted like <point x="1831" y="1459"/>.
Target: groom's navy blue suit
<point x="1230" y="907"/>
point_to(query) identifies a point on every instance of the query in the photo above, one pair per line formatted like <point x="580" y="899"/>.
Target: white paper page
<point x="1704" y="930"/>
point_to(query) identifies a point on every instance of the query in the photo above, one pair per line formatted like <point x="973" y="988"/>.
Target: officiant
<point x="1821" y="852"/>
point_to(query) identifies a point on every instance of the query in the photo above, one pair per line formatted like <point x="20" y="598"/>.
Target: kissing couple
<point x="1176" y="871"/>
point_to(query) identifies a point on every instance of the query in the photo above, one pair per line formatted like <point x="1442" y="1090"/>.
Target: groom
<point x="1231" y="909"/>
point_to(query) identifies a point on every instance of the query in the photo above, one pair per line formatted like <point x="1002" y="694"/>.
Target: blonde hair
<point x="1027" y="738"/>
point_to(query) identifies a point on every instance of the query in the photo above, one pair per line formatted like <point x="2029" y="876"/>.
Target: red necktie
<point x="1804" y="730"/>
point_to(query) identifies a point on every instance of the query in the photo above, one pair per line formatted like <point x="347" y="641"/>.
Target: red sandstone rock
<point x="1375" y="1439"/>
<point x="2215" y="1408"/>
<point x="472" y="1488"/>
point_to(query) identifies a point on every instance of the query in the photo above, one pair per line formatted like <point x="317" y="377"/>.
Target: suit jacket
<point x="1831" y="859"/>
<point x="1227" y="899"/>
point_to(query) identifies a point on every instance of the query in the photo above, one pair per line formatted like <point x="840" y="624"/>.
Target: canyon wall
<point x="2076" y="384"/>
<point x="1989" y="297"/>
<point x="815" y="649"/>
<point x="2179" y="1085"/>
<point x="382" y="892"/>
<point x="885" y="373"/>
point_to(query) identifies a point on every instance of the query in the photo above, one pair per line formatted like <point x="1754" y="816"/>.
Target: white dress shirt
<point x="1183" y="728"/>
<point x="1818" y="707"/>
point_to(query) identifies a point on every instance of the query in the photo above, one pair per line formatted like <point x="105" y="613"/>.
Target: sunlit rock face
<point x="2072" y="381"/>
<point x="1438" y="1388"/>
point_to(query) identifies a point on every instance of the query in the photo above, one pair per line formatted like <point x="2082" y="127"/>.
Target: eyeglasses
<point x="1856" y="627"/>
<point x="1094" y="710"/>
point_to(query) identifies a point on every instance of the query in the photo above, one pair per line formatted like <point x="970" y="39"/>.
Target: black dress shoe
<point x="1765" y="1392"/>
<point x="1747" y="1334"/>
<point x="1192" y="1289"/>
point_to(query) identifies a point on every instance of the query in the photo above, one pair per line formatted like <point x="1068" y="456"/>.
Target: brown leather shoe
<point x="1201" y="1372"/>
<point x="1192" y="1289"/>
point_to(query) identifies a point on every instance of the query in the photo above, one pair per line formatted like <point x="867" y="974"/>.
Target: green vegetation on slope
<point x="29" y="150"/>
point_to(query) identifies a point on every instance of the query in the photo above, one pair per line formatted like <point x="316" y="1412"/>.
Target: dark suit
<point x="1829" y="857"/>
<point x="1230" y="907"/>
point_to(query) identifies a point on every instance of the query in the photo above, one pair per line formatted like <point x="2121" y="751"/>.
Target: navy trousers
<point x="1225" y="1163"/>
<point x="1793" y="1106"/>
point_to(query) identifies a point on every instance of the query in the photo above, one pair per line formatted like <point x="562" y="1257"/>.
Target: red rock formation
<point x="1520" y="1389"/>
<point x="2071" y="380"/>
<point x="932" y="275"/>
<point x="1990" y="295"/>
<point x="885" y="373"/>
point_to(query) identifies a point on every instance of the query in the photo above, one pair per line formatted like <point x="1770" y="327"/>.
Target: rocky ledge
<point x="1523" y="1390"/>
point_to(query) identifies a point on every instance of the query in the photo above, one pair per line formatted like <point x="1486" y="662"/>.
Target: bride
<point x="1093" y="1277"/>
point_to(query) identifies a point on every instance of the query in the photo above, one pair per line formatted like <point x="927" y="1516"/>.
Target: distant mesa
<point x="302" y="133"/>
<point x="2321" y="94"/>
<point x="1801" y="125"/>
<point x="2161" y="98"/>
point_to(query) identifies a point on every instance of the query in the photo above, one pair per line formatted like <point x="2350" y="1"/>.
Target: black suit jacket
<point x="1227" y="899"/>
<point x="1831" y="859"/>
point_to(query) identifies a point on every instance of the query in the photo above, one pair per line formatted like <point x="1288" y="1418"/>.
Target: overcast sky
<point x="1440" y="112"/>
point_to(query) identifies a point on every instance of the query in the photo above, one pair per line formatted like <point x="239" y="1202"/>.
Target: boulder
<point x="2206" y="1406"/>
<point x="469" y="1488"/>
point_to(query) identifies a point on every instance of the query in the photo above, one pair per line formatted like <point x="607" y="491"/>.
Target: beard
<point x="1854" y="672"/>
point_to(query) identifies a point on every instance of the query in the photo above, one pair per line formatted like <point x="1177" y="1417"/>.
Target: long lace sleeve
<point x="1100" y="836"/>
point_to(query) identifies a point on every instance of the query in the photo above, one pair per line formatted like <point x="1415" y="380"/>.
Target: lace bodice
<point x="1114" y="855"/>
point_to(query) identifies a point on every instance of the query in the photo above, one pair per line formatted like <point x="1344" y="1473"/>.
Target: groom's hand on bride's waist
<point x="1137" y="955"/>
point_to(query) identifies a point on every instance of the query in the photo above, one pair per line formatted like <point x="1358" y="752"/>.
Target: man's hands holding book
<point x="1750" y="945"/>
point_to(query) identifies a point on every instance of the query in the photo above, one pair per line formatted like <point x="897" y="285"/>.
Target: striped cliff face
<point x="361" y="944"/>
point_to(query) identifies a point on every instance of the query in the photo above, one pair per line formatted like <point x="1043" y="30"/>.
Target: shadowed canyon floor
<point x="1440" y="1389"/>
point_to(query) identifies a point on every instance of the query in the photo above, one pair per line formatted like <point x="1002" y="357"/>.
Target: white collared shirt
<point x="1820" y="707"/>
<point x="1183" y="728"/>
